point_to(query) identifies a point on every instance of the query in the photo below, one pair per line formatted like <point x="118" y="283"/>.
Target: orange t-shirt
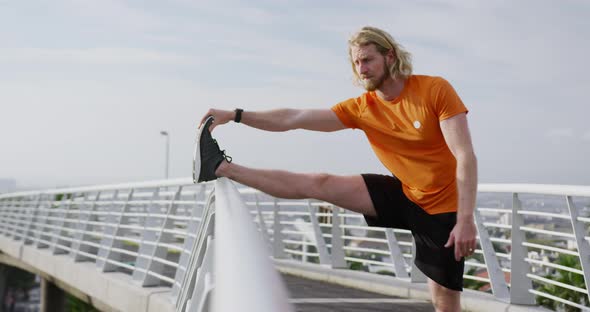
<point x="405" y="135"/>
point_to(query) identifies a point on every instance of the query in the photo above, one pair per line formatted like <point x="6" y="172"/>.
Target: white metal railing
<point x="231" y="259"/>
<point x="523" y="230"/>
<point x="158" y="231"/>
<point x="253" y="284"/>
<point x="146" y="229"/>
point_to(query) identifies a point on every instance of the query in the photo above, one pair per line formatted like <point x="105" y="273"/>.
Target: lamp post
<point x="165" y="133"/>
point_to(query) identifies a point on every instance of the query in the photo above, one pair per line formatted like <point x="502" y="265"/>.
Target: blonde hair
<point x="384" y="42"/>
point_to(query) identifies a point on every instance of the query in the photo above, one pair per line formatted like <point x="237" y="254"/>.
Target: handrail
<point x="136" y="228"/>
<point x="245" y="279"/>
<point x="102" y="187"/>
<point x="546" y="189"/>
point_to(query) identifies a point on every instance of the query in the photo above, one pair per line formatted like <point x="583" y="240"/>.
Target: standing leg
<point x="349" y="192"/>
<point x="444" y="299"/>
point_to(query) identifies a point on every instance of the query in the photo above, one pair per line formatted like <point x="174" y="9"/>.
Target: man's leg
<point x="444" y="299"/>
<point x="349" y="192"/>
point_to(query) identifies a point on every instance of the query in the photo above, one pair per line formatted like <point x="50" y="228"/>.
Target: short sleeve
<point x="447" y="102"/>
<point x="348" y="112"/>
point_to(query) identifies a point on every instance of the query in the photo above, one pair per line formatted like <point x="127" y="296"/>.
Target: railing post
<point x="337" y="251"/>
<point x="8" y="203"/>
<point x="110" y="234"/>
<point x="3" y="206"/>
<point x="197" y="225"/>
<point x="61" y="224"/>
<point x="201" y="295"/>
<point x="397" y="257"/>
<point x="28" y="235"/>
<point x="146" y="250"/>
<point x="85" y="217"/>
<point x="13" y="217"/>
<point x="416" y="276"/>
<point x="191" y="269"/>
<point x="278" y="251"/>
<point x="583" y="247"/>
<point x="5" y="215"/>
<point x="19" y="217"/>
<point x="519" y="268"/>
<point x="155" y="250"/>
<point x="318" y="235"/>
<point x="499" y="286"/>
<point x="261" y="222"/>
<point x="41" y="237"/>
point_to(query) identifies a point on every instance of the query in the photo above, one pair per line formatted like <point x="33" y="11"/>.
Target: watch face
<point x="238" y="117"/>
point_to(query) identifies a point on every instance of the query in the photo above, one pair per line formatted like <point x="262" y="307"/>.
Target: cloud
<point x="560" y="133"/>
<point x="262" y="55"/>
<point x="96" y="56"/>
<point x="557" y="134"/>
<point x="115" y="14"/>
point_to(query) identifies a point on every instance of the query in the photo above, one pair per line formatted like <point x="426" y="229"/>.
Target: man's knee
<point x="444" y="299"/>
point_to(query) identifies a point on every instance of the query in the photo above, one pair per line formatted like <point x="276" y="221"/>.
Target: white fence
<point x="158" y="231"/>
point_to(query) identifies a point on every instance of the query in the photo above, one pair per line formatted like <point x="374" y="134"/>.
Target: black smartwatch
<point x="238" y="117"/>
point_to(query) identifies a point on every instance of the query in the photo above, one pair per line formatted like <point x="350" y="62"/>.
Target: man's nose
<point x="363" y="69"/>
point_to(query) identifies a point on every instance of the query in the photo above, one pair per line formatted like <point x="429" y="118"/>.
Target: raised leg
<point x="349" y="192"/>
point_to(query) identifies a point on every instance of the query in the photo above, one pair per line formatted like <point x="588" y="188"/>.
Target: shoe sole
<point x="197" y="153"/>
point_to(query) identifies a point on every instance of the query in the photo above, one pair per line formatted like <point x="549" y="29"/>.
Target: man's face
<point x="370" y="66"/>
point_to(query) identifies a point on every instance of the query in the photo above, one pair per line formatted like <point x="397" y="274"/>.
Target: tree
<point x="565" y="277"/>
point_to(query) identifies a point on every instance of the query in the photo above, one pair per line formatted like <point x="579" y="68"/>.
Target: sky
<point x="87" y="86"/>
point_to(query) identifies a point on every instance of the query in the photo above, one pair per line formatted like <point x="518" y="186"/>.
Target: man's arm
<point x="456" y="133"/>
<point x="281" y="119"/>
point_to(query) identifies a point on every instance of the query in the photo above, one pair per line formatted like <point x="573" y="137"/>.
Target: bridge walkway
<point x="315" y="296"/>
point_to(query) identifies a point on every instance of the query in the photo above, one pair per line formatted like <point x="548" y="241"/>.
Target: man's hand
<point x="463" y="237"/>
<point x="220" y="117"/>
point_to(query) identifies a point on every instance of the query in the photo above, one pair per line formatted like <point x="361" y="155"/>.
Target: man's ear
<point x="390" y="57"/>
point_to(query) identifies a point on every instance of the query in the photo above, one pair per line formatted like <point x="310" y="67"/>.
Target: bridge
<point x="177" y="246"/>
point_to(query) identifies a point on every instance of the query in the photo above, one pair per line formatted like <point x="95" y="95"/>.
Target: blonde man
<point x="417" y="127"/>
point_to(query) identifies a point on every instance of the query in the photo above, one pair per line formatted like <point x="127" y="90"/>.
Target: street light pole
<point x="165" y="133"/>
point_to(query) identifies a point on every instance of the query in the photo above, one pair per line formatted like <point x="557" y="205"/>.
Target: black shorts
<point x="431" y="232"/>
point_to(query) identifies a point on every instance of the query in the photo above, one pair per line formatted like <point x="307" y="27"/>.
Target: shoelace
<point x="227" y="157"/>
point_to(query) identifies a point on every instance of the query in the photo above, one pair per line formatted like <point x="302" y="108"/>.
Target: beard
<point x="373" y="84"/>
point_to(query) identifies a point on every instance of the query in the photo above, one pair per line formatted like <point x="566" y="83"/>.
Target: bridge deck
<point x="308" y="296"/>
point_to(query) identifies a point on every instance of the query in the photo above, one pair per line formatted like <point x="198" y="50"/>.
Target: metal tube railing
<point x="151" y="229"/>
<point x="253" y="284"/>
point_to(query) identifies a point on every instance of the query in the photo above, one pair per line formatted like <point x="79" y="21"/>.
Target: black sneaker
<point x="207" y="156"/>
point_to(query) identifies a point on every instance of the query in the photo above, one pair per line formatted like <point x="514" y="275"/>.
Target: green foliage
<point x="59" y="197"/>
<point x="74" y="304"/>
<point x="472" y="284"/>
<point x="357" y="266"/>
<point x="565" y="277"/>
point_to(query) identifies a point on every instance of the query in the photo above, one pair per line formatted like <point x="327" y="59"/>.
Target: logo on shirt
<point x="417" y="124"/>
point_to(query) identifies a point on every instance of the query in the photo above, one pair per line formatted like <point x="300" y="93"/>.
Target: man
<point x="417" y="127"/>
